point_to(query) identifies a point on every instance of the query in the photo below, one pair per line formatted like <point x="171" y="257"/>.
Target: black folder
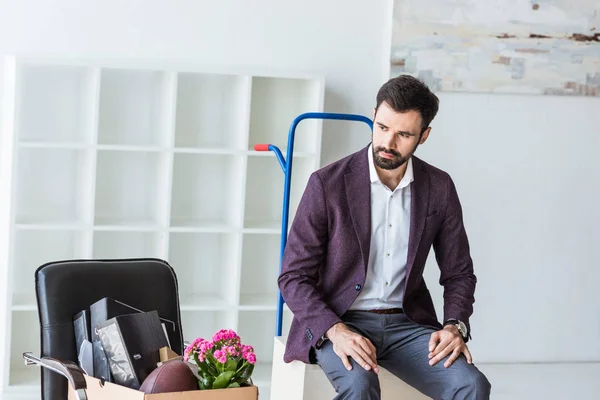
<point x="107" y="308"/>
<point x="132" y="343"/>
<point x="83" y="341"/>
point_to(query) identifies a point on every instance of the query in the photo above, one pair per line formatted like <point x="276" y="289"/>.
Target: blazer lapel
<point x="418" y="212"/>
<point x="358" y="194"/>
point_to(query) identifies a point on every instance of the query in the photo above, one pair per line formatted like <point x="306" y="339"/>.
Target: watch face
<point x="462" y="328"/>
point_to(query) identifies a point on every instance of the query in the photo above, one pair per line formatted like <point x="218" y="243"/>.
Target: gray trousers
<point x="402" y="349"/>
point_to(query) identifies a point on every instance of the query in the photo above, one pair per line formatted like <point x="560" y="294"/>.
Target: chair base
<point x="300" y="381"/>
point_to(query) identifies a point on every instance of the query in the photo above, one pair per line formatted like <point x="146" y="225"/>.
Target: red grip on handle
<point x="261" y="147"/>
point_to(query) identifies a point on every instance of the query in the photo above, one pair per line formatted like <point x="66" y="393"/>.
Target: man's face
<point x="396" y="136"/>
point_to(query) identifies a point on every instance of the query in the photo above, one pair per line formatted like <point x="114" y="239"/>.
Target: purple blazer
<point x="325" y="259"/>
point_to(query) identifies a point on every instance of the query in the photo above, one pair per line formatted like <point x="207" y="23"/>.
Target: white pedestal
<point x="299" y="381"/>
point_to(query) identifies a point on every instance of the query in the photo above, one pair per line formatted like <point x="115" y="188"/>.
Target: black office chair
<point x="64" y="288"/>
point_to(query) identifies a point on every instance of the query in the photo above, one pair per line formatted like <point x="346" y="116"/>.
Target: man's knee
<point x="359" y="384"/>
<point x="472" y="385"/>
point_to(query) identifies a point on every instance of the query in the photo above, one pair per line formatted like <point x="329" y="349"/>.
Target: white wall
<point x="528" y="175"/>
<point x="346" y="40"/>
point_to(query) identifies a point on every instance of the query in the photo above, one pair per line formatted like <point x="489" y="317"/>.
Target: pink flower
<point x="247" y="349"/>
<point x="220" y="356"/>
<point x="191" y="348"/>
<point x="231" y="350"/>
<point x="205" y="346"/>
<point x="250" y="357"/>
<point x="226" y="335"/>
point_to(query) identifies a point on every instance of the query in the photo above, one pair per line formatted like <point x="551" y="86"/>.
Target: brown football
<point x="173" y="376"/>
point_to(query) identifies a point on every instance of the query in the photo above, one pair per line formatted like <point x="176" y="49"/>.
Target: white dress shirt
<point x="390" y="226"/>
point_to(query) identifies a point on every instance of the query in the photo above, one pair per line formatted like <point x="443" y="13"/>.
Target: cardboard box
<point x="110" y="391"/>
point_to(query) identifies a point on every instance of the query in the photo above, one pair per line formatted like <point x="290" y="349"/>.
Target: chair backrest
<point x="63" y="288"/>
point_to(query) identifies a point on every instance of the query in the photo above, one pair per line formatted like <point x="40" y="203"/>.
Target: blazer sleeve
<point x="451" y="247"/>
<point x="304" y="256"/>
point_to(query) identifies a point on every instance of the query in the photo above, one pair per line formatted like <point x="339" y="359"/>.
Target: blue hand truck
<point x="286" y="166"/>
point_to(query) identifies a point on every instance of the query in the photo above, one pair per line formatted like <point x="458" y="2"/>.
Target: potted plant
<point x="223" y="362"/>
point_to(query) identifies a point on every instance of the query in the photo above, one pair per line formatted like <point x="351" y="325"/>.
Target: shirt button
<point x="388" y="254"/>
<point x="357" y="287"/>
<point x="390" y="225"/>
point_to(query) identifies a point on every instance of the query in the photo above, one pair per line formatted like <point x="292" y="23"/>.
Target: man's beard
<point x="390" y="163"/>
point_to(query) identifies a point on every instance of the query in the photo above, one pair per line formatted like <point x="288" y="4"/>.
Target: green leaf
<point x="222" y="380"/>
<point x="210" y="364"/>
<point x="233" y="385"/>
<point x="231" y="365"/>
<point x="210" y="358"/>
<point x="203" y="367"/>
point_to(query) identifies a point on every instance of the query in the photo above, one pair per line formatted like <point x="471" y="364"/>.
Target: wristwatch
<point x="320" y="342"/>
<point x="462" y="328"/>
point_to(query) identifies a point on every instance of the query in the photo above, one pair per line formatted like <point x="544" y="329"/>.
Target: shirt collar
<point x="406" y="179"/>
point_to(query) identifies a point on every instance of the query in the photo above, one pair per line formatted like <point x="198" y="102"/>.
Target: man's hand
<point x="445" y="342"/>
<point x="350" y="344"/>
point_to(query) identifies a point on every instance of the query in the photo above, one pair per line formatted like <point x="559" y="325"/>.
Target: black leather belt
<point x="387" y="311"/>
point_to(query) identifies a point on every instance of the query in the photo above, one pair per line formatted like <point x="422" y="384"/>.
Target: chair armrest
<point x="68" y="369"/>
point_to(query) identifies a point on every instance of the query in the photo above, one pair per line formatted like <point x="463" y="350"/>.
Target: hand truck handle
<point x="261" y="147"/>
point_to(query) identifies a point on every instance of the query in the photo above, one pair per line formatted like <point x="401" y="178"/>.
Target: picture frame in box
<point x="96" y="390"/>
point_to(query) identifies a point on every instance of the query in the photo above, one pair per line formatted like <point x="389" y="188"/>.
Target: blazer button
<point x="358" y="287"/>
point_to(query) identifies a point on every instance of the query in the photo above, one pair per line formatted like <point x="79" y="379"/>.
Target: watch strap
<point x="457" y="323"/>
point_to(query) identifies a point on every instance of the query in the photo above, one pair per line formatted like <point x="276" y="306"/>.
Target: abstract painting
<point x="547" y="47"/>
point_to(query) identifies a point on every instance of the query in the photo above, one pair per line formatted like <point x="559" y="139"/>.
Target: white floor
<point x="543" y="381"/>
<point x="514" y="382"/>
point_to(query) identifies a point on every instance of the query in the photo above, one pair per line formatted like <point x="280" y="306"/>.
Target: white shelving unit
<point x="121" y="161"/>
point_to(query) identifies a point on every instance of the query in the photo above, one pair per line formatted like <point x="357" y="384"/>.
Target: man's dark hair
<point x="404" y="93"/>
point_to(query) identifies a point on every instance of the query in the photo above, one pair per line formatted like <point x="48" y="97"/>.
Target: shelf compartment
<point x="275" y="103"/>
<point x="264" y="191"/>
<point x="260" y="269"/>
<point x="257" y="328"/>
<point x="204" y="302"/>
<point x="33" y="248"/>
<point x="120" y="244"/>
<point x="205" y="324"/>
<point x="135" y="107"/>
<point x="50" y="185"/>
<point x="212" y="111"/>
<point x="128" y="188"/>
<point x="205" y="264"/>
<point x="206" y="190"/>
<point x="56" y="104"/>
<point x="25" y="337"/>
